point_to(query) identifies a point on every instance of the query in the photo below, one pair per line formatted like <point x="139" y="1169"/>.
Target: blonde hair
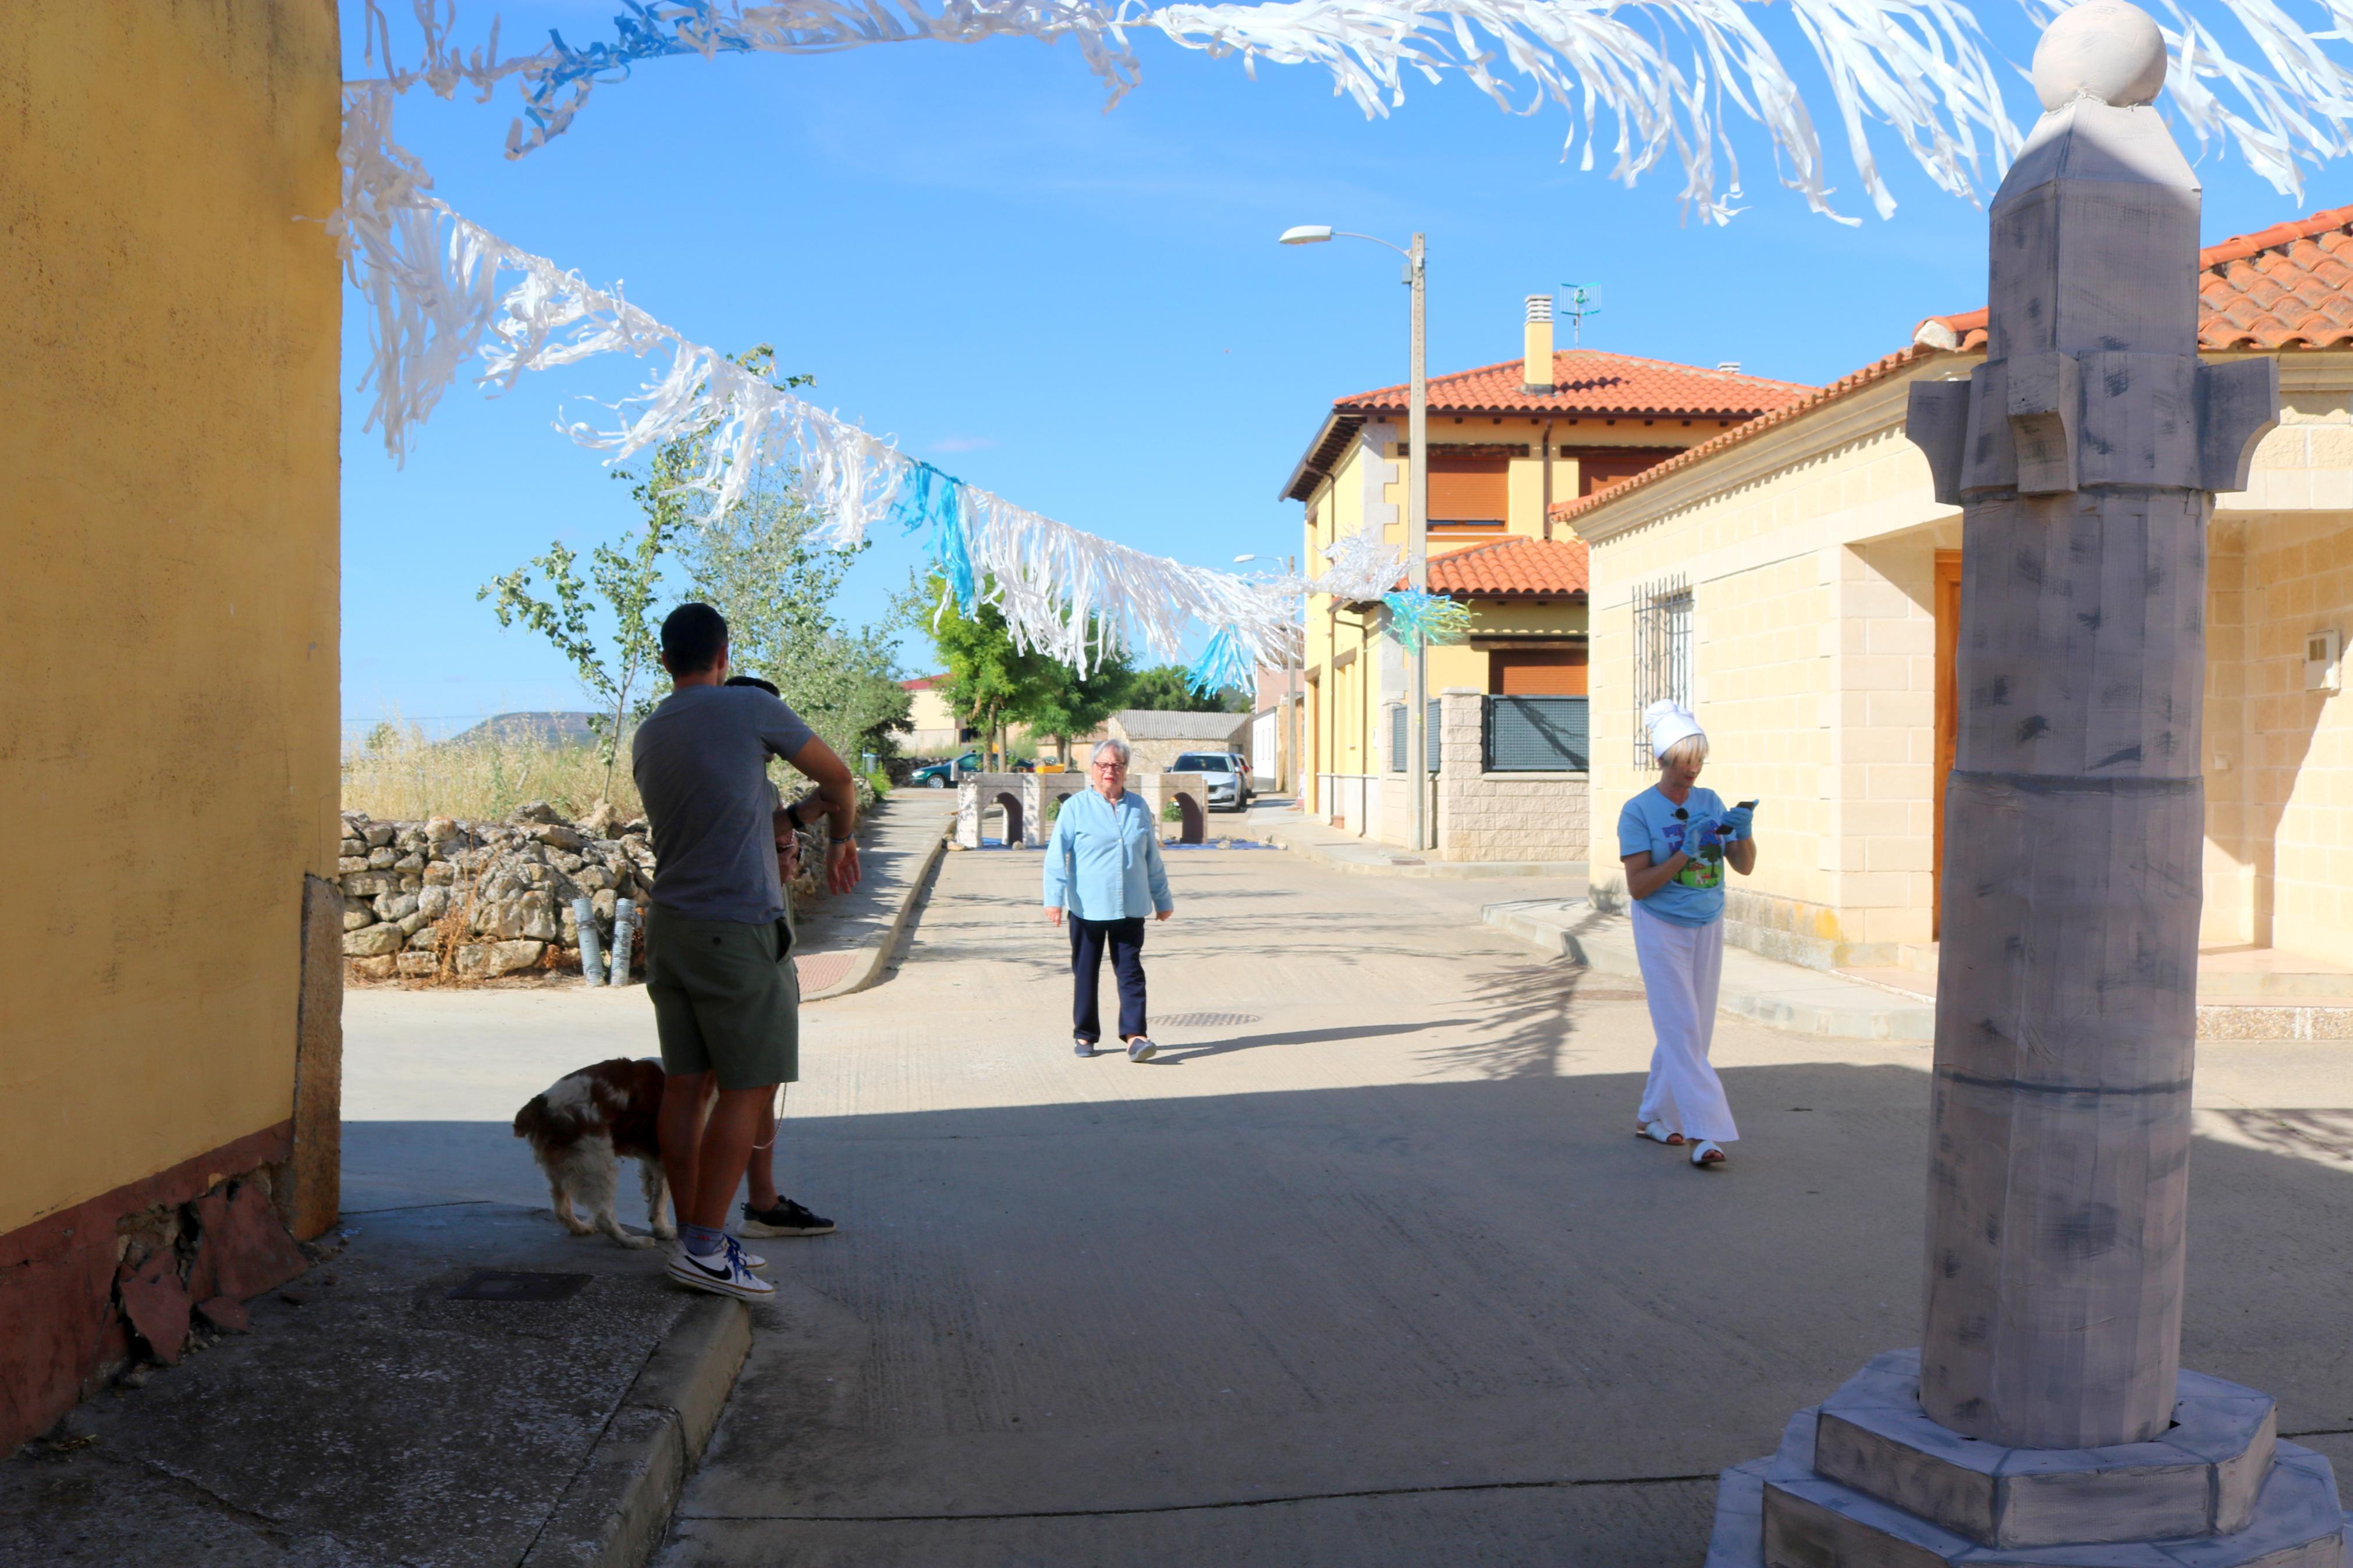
<point x="1688" y="752"/>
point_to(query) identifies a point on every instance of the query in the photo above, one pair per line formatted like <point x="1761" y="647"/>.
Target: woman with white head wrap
<point x="1675" y="840"/>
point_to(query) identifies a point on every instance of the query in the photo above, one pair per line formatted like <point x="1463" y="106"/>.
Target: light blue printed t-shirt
<point x="1653" y="821"/>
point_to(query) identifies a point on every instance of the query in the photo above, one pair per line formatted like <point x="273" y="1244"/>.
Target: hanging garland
<point x="441" y="290"/>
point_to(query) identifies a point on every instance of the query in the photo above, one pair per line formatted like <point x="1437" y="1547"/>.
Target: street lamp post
<point x="1417" y="494"/>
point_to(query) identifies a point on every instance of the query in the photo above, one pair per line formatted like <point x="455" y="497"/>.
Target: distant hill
<point x="532" y="729"/>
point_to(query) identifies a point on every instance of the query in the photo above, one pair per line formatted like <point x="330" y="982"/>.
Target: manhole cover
<point x="516" y="1285"/>
<point x="1209" y="1020"/>
<point x="819" y="970"/>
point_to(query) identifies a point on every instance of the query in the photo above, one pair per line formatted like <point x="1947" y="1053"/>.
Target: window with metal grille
<point x="1397" y="741"/>
<point x="1537" y="734"/>
<point x="1662" y="653"/>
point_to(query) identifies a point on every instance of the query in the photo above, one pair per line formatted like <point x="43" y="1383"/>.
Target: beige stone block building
<point x="1795" y="580"/>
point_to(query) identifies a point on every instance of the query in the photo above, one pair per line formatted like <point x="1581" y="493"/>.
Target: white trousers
<point x="1681" y="967"/>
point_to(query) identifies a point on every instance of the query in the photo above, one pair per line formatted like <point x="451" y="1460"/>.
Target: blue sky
<point x="1083" y="312"/>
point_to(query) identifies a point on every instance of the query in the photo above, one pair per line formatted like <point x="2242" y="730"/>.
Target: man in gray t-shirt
<point x="719" y="965"/>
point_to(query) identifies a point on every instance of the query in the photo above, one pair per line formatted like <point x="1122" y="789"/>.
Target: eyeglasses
<point x="1113" y="767"/>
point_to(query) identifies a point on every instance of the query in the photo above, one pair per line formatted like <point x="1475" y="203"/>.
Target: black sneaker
<point x="787" y="1218"/>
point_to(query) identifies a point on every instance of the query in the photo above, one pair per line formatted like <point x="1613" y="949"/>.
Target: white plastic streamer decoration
<point x="440" y="288"/>
<point x="1666" y="72"/>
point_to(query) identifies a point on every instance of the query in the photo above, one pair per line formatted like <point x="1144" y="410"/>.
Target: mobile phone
<point x="1747" y="805"/>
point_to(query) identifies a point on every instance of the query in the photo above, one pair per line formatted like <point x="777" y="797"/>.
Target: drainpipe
<point x="1545" y="507"/>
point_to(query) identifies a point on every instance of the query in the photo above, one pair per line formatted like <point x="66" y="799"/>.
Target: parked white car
<point x="1225" y="774"/>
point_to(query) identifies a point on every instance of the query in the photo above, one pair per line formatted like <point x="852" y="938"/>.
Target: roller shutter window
<point x="1537" y="672"/>
<point x="1466" y="492"/>
<point x="1599" y="473"/>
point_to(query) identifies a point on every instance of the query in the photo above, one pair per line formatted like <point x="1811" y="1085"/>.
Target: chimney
<point x="1536" y="364"/>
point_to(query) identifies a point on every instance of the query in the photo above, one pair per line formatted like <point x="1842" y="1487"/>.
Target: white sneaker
<point x="723" y="1273"/>
<point x="751" y="1258"/>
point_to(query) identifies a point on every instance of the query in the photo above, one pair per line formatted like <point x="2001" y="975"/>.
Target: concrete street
<point x="1367" y="1267"/>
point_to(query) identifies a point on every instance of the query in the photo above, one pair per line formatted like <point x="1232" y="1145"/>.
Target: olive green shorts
<point x="725" y="998"/>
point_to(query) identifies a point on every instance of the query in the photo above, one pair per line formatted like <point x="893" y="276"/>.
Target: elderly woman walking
<point x="1676" y="839"/>
<point x="1104" y="870"/>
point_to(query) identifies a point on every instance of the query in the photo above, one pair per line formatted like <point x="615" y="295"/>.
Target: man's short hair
<point x="1117" y="747"/>
<point x="692" y="638"/>
<point x="755" y="682"/>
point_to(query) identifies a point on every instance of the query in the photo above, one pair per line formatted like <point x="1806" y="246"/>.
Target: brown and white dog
<point x="582" y="1127"/>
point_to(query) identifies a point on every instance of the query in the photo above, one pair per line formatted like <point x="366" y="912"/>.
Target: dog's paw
<point x="638" y="1241"/>
<point x="664" y="1232"/>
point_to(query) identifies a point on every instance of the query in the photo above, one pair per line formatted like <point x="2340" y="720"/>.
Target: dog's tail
<point x="533" y="1119"/>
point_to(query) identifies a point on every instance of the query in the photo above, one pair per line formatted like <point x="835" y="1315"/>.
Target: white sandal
<point x="1705" y="1154"/>
<point x="1659" y="1132"/>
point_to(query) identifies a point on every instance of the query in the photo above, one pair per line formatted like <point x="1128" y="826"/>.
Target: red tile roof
<point x="921" y="682"/>
<point x="2283" y="288"/>
<point x="1904" y="359"/>
<point x="2286" y="287"/>
<point x="1586" y="381"/>
<point x="1514" y="568"/>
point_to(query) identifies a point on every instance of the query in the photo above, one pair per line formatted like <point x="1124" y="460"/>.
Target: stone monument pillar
<point x="2046" y="1419"/>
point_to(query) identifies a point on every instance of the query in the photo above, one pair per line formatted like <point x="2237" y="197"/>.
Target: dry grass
<point x="394" y="774"/>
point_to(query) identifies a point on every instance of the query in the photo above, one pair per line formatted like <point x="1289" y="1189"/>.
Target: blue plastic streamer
<point x="932" y="503"/>
<point x="1225" y="665"/>
<point x="659" y="28"/>
<point x="1418" y="619"/>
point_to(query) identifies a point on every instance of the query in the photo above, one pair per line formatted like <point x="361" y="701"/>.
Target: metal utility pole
<point x="1416" y="548"/>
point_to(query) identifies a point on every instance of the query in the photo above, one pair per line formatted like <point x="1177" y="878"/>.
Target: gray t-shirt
<point x="700" y="761"/>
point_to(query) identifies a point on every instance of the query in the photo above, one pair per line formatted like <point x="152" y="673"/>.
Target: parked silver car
<point x="1225" y="774"/>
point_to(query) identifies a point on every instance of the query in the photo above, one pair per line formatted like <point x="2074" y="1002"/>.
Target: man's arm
<point x="816" y="761"/>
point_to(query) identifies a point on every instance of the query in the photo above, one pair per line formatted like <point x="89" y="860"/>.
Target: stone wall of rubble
<point x="472" y="900"/>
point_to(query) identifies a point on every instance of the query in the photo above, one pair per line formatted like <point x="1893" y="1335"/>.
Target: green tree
<point x="624" y="587"/>
<point x="990" y="682"/>
<point x="1068" y="704"/>
<point x="1162" y="688"/>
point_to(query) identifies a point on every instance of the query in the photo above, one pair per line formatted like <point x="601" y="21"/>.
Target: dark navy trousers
<point x="1125" y="939"/>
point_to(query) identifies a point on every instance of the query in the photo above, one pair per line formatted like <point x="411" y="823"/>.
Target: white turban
<point x="1668" y="723"/>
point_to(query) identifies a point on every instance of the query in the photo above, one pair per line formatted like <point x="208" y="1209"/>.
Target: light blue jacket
<point x="1102" y="862"/>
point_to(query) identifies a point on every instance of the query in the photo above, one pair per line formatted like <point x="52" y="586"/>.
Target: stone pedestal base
<point x="1866" y="1480"/>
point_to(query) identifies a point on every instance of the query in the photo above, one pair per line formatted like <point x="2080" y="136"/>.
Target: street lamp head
<point x="1306" y="233"/>
<point x="1240" y="559"/>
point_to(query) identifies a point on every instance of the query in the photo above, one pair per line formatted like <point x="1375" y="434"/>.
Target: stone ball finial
<point x="2106" y="49"/>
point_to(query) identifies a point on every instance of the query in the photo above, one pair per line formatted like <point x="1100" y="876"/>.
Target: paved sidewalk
<point x="1284" y="825"/>
<point x="1781" y="994"/>
<point x="847" y="939"/>
<point x="366" y="1419"/>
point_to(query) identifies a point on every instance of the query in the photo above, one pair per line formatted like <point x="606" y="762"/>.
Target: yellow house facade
<point x="1507" y="441"/>
<point x="1796" y="583"/>
<point x="169" y="624"/>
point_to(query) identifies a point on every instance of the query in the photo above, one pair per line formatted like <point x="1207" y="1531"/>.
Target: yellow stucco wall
<point x="1810" y="553"/>
<point x="1347" y="699"/>
<point x="168" y="607"/>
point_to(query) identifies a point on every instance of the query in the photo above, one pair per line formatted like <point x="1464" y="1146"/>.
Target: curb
<point x="617" y="1509"/>
<point x="867" y="969"/>
<point x="1405" y="863"/>
<point x="1605" y="943"/>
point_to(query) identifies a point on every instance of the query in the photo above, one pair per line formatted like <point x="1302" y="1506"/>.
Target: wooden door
<point x="1948" y="708"/>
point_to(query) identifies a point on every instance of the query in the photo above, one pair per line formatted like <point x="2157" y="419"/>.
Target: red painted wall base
<point x="67" y="1330"/>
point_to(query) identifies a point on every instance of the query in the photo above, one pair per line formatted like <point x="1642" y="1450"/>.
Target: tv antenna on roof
<point x="1577" y="304"/>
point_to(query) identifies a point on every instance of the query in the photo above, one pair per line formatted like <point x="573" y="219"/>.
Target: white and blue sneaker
<point x="751" y="1258"/>
<point x="723" y="1273"/>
